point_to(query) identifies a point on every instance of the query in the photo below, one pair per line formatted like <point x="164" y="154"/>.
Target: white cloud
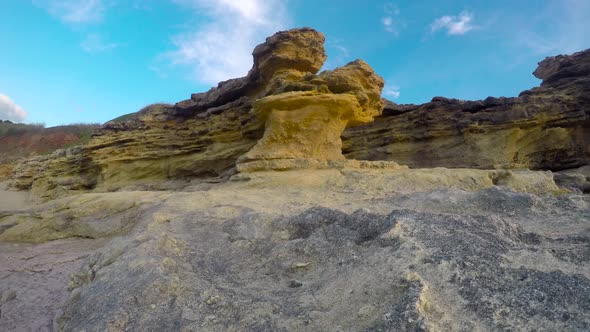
<point x="11" y="111"/>
<point x="391" y="91"/>
<point x="455" y="25"/>
<point x="390" y="21"/>
<point x="561" y="27"/>
<point x="339" y="54"/>
<point x="95" y="43"/>
<point x="221" y="49"/>
<point x="75" y="11"/>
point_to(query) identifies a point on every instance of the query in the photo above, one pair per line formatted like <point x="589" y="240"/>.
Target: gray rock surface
<point x="446" y="260"/>
<point x="34" y="281"/>
<point x="577" y="179"/>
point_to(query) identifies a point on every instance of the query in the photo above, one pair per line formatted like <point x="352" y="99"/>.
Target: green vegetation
<point x="8" y="128"/>
<point x="156" y="107"/>
<point x="123" y="118"/>
<point x="18" y="140"/>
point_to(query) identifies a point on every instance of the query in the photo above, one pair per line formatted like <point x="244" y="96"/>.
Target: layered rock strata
<point x="298" y="115"/>
<point x="283" y="115"/>
<point x="547" y="127"/>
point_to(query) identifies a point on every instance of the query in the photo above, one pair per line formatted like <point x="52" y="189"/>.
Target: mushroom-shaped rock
<point x="303" y="125"/>
<point x="308" y="124"/>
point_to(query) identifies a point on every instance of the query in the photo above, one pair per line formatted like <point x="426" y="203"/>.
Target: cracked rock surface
<point x="34" y="281"/>
<point x="247" y="257"/>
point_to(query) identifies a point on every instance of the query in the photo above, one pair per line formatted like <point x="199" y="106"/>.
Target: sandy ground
<point x="34" y="279"/>
<point x="12" y="200"/>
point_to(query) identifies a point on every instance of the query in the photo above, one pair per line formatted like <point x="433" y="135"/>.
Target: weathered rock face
<point x="202" y="136"/>
<point x="544" y="128"/>
<point x="304" y="115"/>
<point x="284" y="115"/>
<point x="309" y="124"/>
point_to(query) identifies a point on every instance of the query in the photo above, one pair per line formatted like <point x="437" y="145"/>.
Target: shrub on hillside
<point x="149" y="108"/>
<point x="9" y="128"/>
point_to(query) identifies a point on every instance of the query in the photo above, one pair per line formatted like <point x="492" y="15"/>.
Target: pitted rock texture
<point x="352" y="248"/>
<point x="547" y="127"/>
<point x="444" y="260"/>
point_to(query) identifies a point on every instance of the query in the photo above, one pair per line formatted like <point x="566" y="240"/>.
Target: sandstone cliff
<point x="280" y="110"/>
<point x="547" y="127"/>
<point x="326" y="243"/>
<point x="284" y="115"/>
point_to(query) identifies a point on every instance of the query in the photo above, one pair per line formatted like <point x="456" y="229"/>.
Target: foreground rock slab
<point x="352" y="249"/>
<point x="34" y="281"/>
<point x="444" y="260"/>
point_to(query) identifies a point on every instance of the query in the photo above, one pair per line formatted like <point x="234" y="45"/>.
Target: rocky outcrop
<point x="547" y="127"/>
<point x="280" y="110"/>
<point x="283" y="115"/>
<point x="21" y="141"/>
<point x="330" y="244"/>
<point x="308" y="124"/>
<point x="199" y="137"/>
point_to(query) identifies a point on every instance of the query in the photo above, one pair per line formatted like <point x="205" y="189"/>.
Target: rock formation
<point x="547" y="127"/>
<point x="254" y="122"/>
<point x="308" y="124"/>
<point x="21" y="141"/>
<point x="280" y="115"/>
<point x="332" y="243"/>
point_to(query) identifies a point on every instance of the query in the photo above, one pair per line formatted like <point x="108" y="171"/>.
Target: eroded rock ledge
<point x="547" y="127"/>
<point x="285" y="115"/>
<point x="282" y="110"/>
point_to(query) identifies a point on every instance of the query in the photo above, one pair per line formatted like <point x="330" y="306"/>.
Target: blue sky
<point x="66" y="61"/>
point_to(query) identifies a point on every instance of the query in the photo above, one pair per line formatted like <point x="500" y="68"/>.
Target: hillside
<point x="19" y="141"/>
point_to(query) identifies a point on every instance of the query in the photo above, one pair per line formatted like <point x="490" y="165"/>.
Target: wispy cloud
<point x="391" y="91"/>
<point x="75" y="11"/>
<point x="388" y="23"/>
<point x="390" y="20"/>
<point x="95" y="43"/>
<point x="562" y="27"/>
<point x="455" y="25"/>
<point x="339" y="54"/>
<point x="11" y="111"/>
<point x="221" y="49"/>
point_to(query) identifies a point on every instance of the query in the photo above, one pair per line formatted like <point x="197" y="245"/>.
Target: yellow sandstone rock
<point x="284" y="115"/>
<point x="304" y="114"/>
<point x="308" y="124"/>
<point x="303" y="125"/>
